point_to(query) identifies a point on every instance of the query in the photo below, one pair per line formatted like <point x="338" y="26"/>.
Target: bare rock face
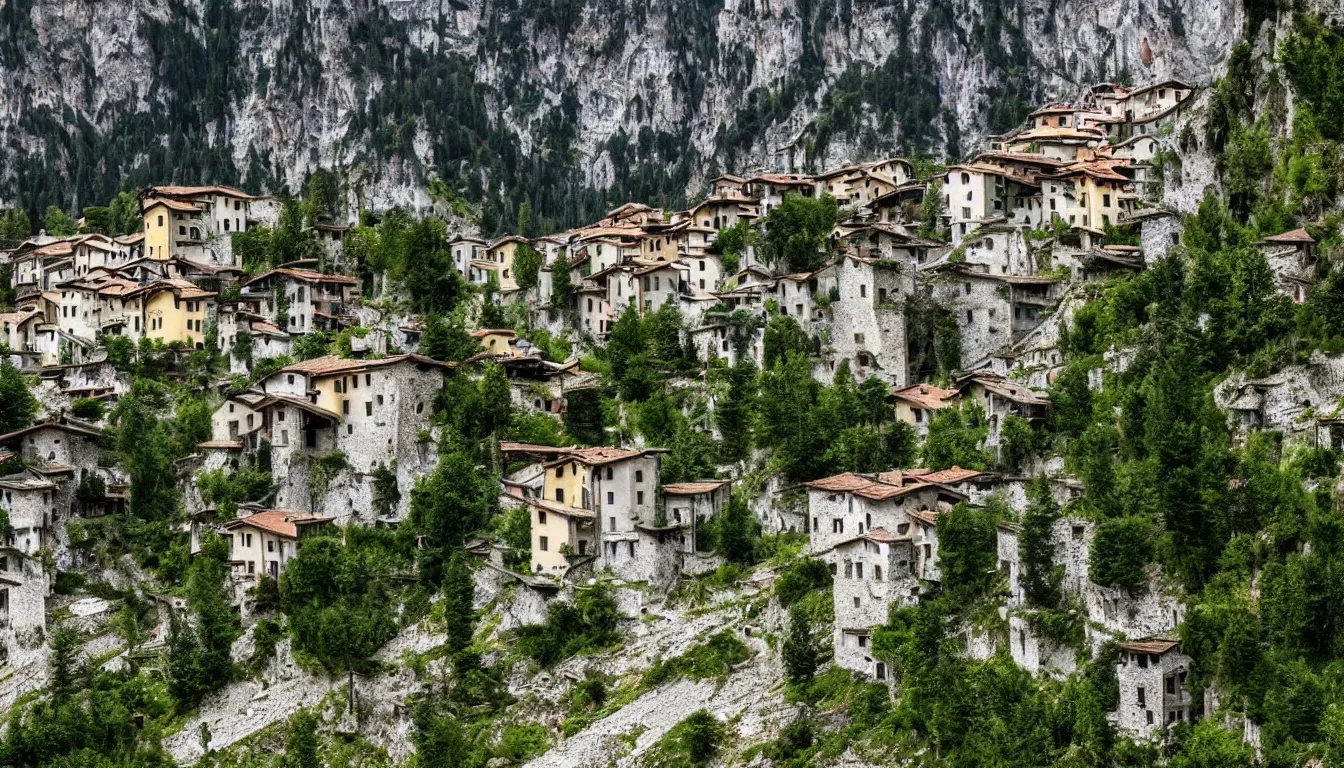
<point x="484" y="93"/>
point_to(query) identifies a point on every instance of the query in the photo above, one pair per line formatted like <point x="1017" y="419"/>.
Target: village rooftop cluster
<point x="1021" y="227"/>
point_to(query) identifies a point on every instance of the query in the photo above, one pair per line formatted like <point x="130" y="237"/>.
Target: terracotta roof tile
<point x="694" y="489"/>
<point x="281" y="522"/>
<point x="926" y="396"/>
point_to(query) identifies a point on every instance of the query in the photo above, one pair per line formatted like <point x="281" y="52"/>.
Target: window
<point x="858" y="570"/>
<point x="877" y="573"/>
<point x="541" y="517"/>
<point x="612" y="521"/>
<point x="270" y="546"/>
<point x="1143" y="664"/>
<point x="639" y="475"/>
<point x="545" y="544"/>
<point x="970" y="316"/>
<point x="609" y="473"/>
<point x="611" y="497"/>
<point x="863" y="291"/>
<point x="559" y="471"/>
<point x="837" y="525"/>
<point x="881" y="671"/>
<point x="639" y="497"/>
<point x="849" y="570"/>
<point x="1171" y="686"/>
<point x="856" y="602"/>
<point x="368" y="408"/>
<point x="863" y="641"/>
<point x="559" y="494"/>
<point x="1143" y="698"/>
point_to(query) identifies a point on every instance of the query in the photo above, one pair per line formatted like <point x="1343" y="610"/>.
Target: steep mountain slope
<point x="565" y="104"/>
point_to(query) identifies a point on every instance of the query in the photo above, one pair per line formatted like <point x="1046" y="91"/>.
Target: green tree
<point x="459" y="591"/>
<point x="146" y="447"/>
<point x="783" y="337"/>
<point x="58" y="223"/>
<point x="796" y="232"/>
<point x="1036" y="548"/>
<point x="956" y="438"/>
<point x="732" y="412"/>
<point x="69" y="672"/>
<point x="527" y="262"/>
<point x="454" y="501"/>
<point x="301" y="742"/>
<point x="801" y="657"/>
<point x="447" y="339"/>
<point x="732" y="242"/>
<point x="17" y="404"/>
<point x="736" y="531"/>
<point x="15" y="226"/>
<point x="967" y="549"/>
<point x="1121" y="549"/>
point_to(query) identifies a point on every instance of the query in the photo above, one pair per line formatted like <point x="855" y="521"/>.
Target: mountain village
<point x="1001" y="250"/>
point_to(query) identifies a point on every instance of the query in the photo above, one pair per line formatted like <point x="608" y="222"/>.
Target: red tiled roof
<point x="281" y="522"/>
<point x="953" y="475"/>
<point x="1294" y="237"/>
<point x="694" y="489"/>
<point x="926" y="396"/>
<point x="307" y="276"/>
<point x="179" y="191"/>
<point x="333" y="364"/>
<point x="844" y="482"/>
<point x="1149" y="646"/>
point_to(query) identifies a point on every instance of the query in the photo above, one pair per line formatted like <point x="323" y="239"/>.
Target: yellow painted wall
<point x="573" y="479"/>
<point x="556" y="529"/>
<point x="158" y="235"/>
<point x="503" y="256"/>
<point x="175" y="325"/>
<point x="495" y="342"/>
<point x="327" y="396"/>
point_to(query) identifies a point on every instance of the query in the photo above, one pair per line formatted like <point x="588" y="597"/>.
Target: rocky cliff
<point x="565" y="104"/>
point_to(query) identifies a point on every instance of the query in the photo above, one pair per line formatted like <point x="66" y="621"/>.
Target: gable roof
<point x="695" y="488"/>
<point x="926" y="396"/>
<point x="281" y="522"/>
<point x="330" y="365"/>
<point x="67" y="428"/>
<point x="305" y="275"/>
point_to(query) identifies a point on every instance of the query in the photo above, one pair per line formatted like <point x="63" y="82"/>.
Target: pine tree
<point x="1036" y="549"/>
<point x="737" y="531"/>
<point x="801" y="657"/>
<point x="732" y="413"/>
<point x="68" y="672"/>
<point x="459" y="591"/>
<point x="17" y="404"/>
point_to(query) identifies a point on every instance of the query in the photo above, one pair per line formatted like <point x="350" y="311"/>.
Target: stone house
<point x="970" y="196"/>
<point x="1002" y="249"/>
<point x="32" y="502"/>
<point x="999" y="398"/>
<point x="465" y="250"/>
<point x="1088" y="196"/>
<point x="1153" y="695"/>
<point x="1292" y="258"/>
<point x="174" y="311"/>
<point x="992" y="311"/>
<point x="691" y="505"/>
<point x="916" y="404"/>
<point x="196" y="223"/>
<point x="561" y="533"/>
<point x="976" y="485"/>
<point x="316" y="300"/>
<point x="868" y="321"/>
<point x="1159" y="231"/>
<point x="874" y="573"/>
<point x="376" y="412"/>
<point x="658" y="284"/>
<point x="24" y="588"/>
<point x="261" y="544"/>
<point x="55" y="443"/>
<point x="617" y="488"/>
<point x="771" y="189"/>
<point x="267" y="339"/>
<point x="721" y="211"/>
<point x="848" y="504"/>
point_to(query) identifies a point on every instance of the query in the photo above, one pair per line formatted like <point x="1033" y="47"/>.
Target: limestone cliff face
<point x="563" y="103"/>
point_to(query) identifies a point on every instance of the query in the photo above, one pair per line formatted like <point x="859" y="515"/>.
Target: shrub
<point x="87" y="408"/>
